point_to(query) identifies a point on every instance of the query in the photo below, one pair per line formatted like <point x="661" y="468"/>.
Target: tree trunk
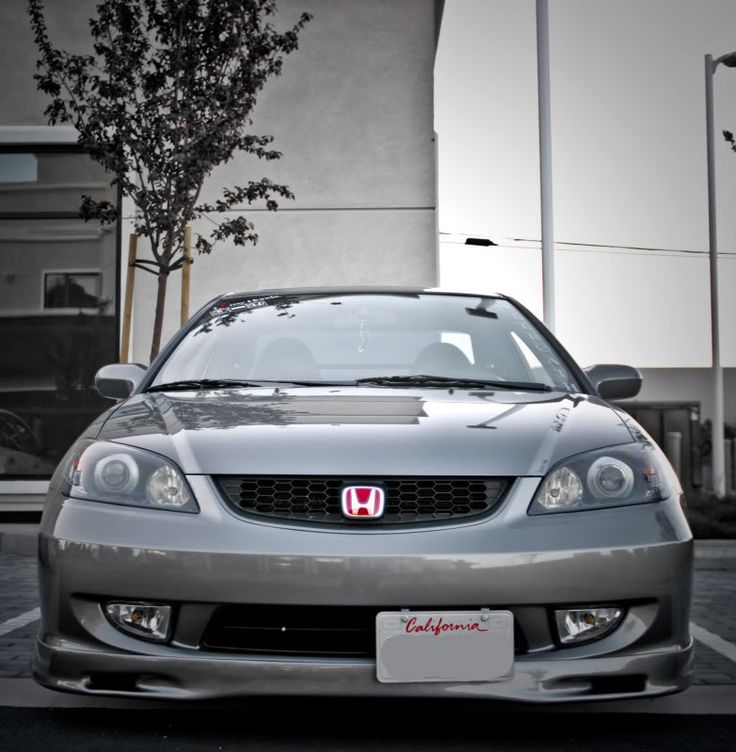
<point x="158" y="320"/>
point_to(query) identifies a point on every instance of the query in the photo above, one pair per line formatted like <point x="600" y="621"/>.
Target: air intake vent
<point x="331" y="631"/>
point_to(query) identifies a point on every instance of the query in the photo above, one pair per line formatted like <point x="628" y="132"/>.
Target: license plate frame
<point x="444" y="646"/>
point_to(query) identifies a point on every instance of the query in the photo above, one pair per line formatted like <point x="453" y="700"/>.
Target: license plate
<point x="444" y="646"/>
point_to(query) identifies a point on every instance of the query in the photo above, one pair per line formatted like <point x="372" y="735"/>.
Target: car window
<point x="345" y="337"/>
<point x="461" y="340"/>
<point x="535" y="368"/>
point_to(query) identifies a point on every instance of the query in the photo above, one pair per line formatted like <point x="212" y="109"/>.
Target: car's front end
<point x="198" y="541"/>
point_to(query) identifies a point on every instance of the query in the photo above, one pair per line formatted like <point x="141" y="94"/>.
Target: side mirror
<point x="119" y="380"/>
<point x="614" y="382"/>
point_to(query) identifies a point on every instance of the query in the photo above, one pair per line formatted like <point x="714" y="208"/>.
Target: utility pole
<point x="545" y="166"/>
<point x="718" y="455"/>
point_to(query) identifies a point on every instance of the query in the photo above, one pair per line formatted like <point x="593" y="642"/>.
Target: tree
<point x="163" y="99"/>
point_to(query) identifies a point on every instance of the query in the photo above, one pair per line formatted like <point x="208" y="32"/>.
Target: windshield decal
<point x="247" y="304"/>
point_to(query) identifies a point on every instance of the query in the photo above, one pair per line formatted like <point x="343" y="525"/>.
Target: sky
<point x="628" y="161"/>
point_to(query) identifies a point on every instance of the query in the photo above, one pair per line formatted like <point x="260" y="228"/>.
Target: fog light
<point x="576" y="625"/>
<point x="151" y="621"/>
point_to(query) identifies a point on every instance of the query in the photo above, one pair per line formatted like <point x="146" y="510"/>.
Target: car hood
<point x="365" y="431"/>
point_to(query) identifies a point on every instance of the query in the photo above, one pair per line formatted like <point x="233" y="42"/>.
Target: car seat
<point x="286" y="359"/>
<point x="443" y="359"/>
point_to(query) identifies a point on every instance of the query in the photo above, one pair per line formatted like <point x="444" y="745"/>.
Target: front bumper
<point x="206" y="677"/>
<point x="639" y="556"/>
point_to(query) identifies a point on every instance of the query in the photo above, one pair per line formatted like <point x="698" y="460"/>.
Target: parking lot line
<point x="713" y="641"/>
<point x="20" y="621"/>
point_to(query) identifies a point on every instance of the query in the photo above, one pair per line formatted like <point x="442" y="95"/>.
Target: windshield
<point x="343" y="338"/>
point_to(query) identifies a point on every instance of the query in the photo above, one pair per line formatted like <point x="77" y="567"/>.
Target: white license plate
<point x="444" y="646"/>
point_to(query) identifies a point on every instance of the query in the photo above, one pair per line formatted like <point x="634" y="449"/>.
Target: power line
<point x="622" y="247"/>
<point x="580" y="247"/>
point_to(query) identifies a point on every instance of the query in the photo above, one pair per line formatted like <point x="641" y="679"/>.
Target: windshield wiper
<point x="203" y="384"/>
<point x="236" y="383"/>
<point x="445" y="382"/>
<point x="457" y="383"/>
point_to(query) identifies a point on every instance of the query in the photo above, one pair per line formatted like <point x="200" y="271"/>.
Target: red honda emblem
<point x="367" y="502"/>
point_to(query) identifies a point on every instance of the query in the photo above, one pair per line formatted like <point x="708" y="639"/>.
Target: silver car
<point x="385" y="492"/>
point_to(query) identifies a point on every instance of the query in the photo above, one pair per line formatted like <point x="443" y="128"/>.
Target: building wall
<point x="47" y="186"/>
<point x="20" y="103"/>
<point x="688" y="385"/>
<point x="352" y="114"/>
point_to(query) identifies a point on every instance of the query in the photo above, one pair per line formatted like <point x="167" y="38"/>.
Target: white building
<point x="352" y="114"/>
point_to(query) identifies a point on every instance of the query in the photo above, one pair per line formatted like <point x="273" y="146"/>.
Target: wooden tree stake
<point x="128" y="308"/>
<point x="185" y="273"/>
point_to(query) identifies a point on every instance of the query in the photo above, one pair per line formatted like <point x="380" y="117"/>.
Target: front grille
<point x="328" y="631"/>
<point x="317" y="499"/>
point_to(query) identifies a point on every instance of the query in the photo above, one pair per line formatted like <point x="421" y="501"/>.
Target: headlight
<point x="617" y="476"/>
<point x="116" y="474"/>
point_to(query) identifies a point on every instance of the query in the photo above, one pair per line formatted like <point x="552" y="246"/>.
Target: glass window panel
<point x="18" y="168"/>
<point x="58" y="184"/>
<point x="324" y="337"/>
<point x="71" y="290"/>
<point x="57" y="314"/>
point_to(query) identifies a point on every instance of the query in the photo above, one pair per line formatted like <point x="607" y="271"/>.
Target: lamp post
<point x="718" y="458"/>
<point x="545" y="166"/>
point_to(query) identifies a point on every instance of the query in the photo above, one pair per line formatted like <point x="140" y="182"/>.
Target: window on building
<point x="19" y="167"/>
<point x="72" y="290"/>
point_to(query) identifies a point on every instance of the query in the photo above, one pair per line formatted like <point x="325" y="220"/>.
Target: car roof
<point x="350" y="290"/>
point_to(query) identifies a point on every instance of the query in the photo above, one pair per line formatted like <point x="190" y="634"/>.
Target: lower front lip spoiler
<point x="200" y="677"/>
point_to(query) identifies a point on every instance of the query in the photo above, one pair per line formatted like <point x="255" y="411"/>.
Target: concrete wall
<point x="352" y="114"/>
<point x="20" y="103"/>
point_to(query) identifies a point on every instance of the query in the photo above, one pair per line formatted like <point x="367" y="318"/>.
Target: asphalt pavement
<point x="338" y="725"/>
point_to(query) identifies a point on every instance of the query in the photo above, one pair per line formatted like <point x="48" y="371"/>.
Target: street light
<point x="545" y="166"/>
<point x="718" y="458"/>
